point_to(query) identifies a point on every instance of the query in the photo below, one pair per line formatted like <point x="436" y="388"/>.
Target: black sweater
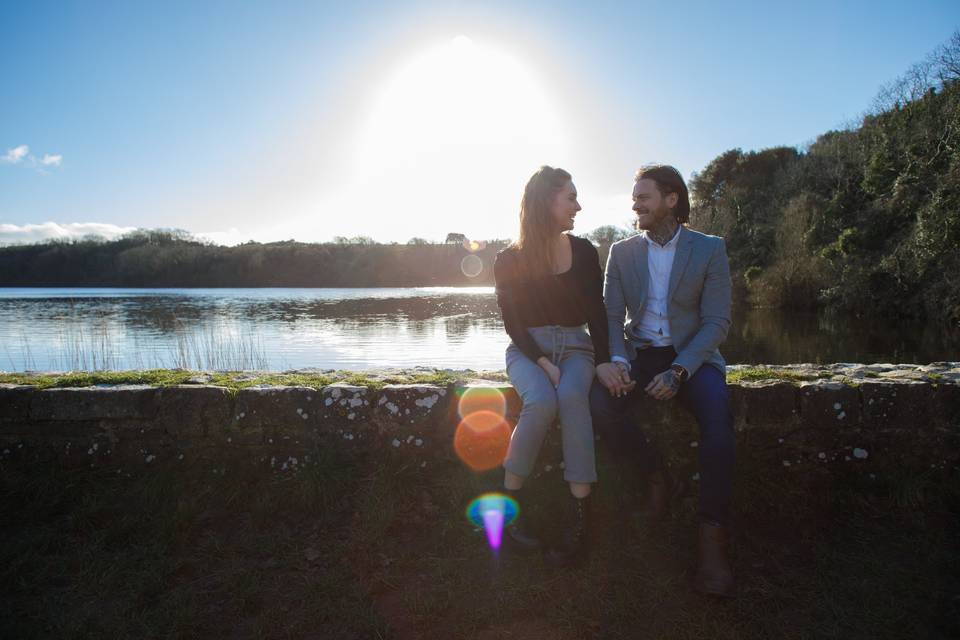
<point x="568" y="299"/>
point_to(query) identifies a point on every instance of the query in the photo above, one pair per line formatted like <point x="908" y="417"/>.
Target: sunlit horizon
<point x="450" y="138"/>
<point x="411" y="121"/>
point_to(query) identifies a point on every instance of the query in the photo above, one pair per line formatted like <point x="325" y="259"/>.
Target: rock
<point x="262" y="414"/>
<point x="344" y="406"/>
<point x="415" y="415"/>
<point x="764" y="403"/>
<point x="819" y="402"/>
<point x="902" y="403"/>
<point x="192" y="411"/>
<point x="15" y="401"/>
<point x="138" y="402"/>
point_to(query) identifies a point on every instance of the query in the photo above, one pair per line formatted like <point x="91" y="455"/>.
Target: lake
<point x="62" y="329"/>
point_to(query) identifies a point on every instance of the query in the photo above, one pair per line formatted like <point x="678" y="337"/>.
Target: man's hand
<point x="616" y="378"/>
<point x="664" y="385"/>
<point x="552" y="370"/>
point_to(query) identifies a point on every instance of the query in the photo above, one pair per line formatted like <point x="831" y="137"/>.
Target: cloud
<point x="28" y="233"/>
<point x="16" y="154"/>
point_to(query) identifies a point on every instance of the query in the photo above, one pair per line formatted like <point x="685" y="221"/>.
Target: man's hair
<point x="668" y="180"/>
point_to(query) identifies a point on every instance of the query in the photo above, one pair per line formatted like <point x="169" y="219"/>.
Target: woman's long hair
<point x="537" y="226"/>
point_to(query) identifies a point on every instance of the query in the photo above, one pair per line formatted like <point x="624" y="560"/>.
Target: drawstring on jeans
<point x="555" y="357"/>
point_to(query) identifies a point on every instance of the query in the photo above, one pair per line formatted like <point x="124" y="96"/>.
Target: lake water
<point x="51" y="329"/>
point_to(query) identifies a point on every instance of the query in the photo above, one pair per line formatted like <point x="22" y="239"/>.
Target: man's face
<point x="650" y="206"/>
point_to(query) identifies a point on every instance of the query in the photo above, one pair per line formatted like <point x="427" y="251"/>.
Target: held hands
<point x="616" y="378"/>
<point x="552" y="370"/>
<point x="664" y="385"/>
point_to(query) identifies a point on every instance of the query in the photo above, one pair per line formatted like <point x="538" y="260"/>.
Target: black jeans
<point x="706" y="395"/>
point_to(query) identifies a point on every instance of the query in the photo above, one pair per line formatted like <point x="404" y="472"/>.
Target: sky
<point x="266" y="121"/>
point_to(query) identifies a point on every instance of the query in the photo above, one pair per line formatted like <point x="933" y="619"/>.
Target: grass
<point x="239" y="380"/>
<point x="763" y="373"/>
<point x="354" y="548"/>
<point x="158" y="377"/>
<point x="231" y="379"/>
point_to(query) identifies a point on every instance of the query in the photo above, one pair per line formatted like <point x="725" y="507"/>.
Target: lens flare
<point x="483" y="435"/>
<point x="476" y="399"/>
<point x="474" y="245"/>
<point x="493" y="511"/>
<point x="471" y="266"/>
<point x="481" y="440"/>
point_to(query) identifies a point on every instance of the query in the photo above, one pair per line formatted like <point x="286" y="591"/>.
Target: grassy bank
<point x="240" y="380"/>
<point x="353" y="548"/>
<point x="232" y="379"/>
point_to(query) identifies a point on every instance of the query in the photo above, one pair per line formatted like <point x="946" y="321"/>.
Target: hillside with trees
<point x="864" y="220"/>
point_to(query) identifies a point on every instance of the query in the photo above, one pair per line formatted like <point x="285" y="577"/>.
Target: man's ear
<point x="672" y="199"/>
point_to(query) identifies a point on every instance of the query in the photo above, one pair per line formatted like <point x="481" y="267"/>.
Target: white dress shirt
<point x="654" y="320"/>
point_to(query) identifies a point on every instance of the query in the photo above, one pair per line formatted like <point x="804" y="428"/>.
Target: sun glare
<point x="453" y="136"/>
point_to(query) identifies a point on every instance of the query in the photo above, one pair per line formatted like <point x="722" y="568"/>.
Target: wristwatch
<point x="682" y="373"/>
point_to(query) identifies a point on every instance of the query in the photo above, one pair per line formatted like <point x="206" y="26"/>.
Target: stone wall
<point x="804" y="419"/>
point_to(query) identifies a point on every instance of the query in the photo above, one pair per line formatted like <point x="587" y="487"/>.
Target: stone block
<point x="120" y="402"/>
<point x="189" y="410"/>
<point x="765" y="403"/>
<point x="904" y="404"/>
<point x="412" y="414"/>
<point x="15" y="401"/>
<point x="345" y="406"/>
<point x="53" y="428"/>
<point x="828" y="404"/>
<point x="648" y="412"/>
<point x="946" y="405"/>
<point x="264" y="413"/>
<point x="410" y="402"/>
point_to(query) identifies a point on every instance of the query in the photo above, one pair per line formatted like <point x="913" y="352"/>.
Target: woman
<point x="549" y="285"/>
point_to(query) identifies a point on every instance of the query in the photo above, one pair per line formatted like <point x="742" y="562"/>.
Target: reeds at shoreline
<point x="96" y="348"/>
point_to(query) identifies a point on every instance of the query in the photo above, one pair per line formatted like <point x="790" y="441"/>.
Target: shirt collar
<point x="672" y="243"/>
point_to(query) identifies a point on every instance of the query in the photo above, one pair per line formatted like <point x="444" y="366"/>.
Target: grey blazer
<point x="698" y="297"/>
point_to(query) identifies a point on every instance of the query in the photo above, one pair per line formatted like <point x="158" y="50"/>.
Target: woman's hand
<point x="552" y="370"/>
<point x="616" y="378"/>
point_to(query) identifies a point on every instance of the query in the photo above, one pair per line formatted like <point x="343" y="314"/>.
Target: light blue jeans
<point x="570" y="349"/>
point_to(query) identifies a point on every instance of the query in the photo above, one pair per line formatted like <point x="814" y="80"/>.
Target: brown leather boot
<point x="662" y="492"/>
<point x="714" y="576"/>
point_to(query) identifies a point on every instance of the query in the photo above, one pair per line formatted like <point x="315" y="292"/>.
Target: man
<point x="667" y="295"/>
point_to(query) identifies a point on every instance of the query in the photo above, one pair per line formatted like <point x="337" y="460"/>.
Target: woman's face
<point x="564" y="207"/>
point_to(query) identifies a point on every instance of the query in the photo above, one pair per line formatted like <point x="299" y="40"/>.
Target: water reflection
<point x="61" y="329"/>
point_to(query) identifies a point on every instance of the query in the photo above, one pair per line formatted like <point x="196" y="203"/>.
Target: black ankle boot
<point x="572" y="547"/>
<point x="517" y="536"/>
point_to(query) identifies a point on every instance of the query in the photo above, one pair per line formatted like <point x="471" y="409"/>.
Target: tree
<point x="455" y="238"/>
<point x="364" y="240"/>
<point x="605" y="236"/>
<point x="418" y="241"/>
<point x="608" y="234"/>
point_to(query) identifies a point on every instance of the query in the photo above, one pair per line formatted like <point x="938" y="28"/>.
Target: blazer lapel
<point x="641" y="266"/>
<point x="680" y="258"/>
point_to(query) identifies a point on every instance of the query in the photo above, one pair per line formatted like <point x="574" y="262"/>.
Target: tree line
<point x="165" y="258"/>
